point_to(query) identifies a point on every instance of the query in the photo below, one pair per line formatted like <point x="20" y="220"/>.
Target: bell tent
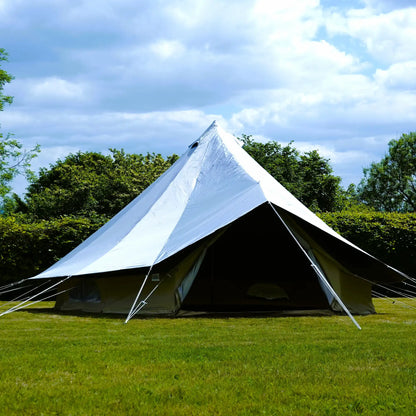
<point x="216" y="232"/>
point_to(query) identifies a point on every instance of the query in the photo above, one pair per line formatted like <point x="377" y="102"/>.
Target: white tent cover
<point x="211" y="185"/>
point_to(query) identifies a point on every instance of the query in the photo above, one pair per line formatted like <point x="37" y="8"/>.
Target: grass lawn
<point x="53" y="364"/>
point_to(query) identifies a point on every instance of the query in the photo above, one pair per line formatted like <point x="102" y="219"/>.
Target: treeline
<point x="389" y="236"/>
<point x="88" y="185"/>
<point x="27" y="248"/>
<point x="30" y="247"/>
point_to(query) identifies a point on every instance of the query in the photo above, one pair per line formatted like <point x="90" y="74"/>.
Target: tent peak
<point x="215" y="130"/>
<point x="213" y="126"/>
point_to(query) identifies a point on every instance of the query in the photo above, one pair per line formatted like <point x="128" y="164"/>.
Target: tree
<point x="390" y="185"/>
<point x="91" y="184"/>
<point x="4" y="79"/>
<point x="308" y="176"/>
<point x="14" y="160"/>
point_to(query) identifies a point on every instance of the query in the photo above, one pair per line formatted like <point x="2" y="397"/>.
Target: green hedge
<point x="29" y="248"/>
<point x="391" y="236"/>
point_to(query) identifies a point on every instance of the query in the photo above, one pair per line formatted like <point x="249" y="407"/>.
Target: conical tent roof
<point x="211" y="185"/>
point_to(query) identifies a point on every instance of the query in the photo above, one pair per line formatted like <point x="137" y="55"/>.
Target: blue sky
<point x="151" y="75"/>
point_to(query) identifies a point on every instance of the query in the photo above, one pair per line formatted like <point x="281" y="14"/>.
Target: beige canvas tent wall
<point x="115" y="292"/>
<point x="216" y="232"/>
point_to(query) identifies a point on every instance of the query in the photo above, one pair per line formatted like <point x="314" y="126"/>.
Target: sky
<point x="152" y="75"/>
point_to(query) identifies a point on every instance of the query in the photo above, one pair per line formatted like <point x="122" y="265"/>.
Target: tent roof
<point x="211" y="185"/>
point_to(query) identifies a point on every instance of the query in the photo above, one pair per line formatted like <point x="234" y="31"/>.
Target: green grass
<point x="53" y="364"/>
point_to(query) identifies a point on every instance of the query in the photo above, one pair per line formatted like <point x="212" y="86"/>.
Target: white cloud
<point x="166" y="49"/>
<point x="387" y="36"/>
<point x="152" y="75"/>
<point x="54" y="90"/>
<point x="401" y="75"/>
<point x="50" y="92"/>
<point x="287" y="20"/>
<point x="164" y="132"/>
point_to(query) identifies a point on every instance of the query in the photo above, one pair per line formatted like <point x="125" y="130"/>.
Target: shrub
<point x="389" y="236"/>
<point x="29" y="248"/>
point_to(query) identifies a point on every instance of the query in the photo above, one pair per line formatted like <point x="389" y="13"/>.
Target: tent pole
<point x="317" y="271"/>
<point x="132" y="309"/>
<point x="330" y="288"/>
<point x="143" y="302"/>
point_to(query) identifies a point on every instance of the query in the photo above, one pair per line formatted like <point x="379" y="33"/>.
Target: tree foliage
<point x="5" y="78"/>
<point x="308" y="176"/>
<point x="27" y="248"/>
<point x="390" y="236"/>
<point x="390" y="185"/>
<point x="14" y="160"/>
<point x="91" y="184"/>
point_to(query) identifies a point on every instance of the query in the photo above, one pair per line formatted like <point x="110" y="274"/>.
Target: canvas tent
<point x="216" y="232"/>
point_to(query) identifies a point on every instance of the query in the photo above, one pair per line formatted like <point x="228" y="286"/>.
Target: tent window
<point x="86" y="291"/>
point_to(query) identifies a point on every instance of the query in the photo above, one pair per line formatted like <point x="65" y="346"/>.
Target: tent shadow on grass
<point x="191" y="314"/>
